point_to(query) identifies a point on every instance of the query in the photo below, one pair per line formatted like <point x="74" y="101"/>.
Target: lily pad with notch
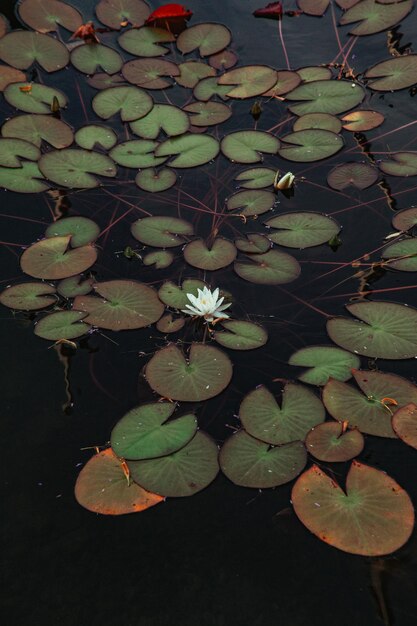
<point x="38" y="128"/>
<point x="82" y="230"/>
<point x="302" y="229"/>
<point x="24" y="179"/>
<point x="156" y="180"/>
<point x="146" y="41"/>
<point x="29" y="296"/>
<point x="312" y="73"/>
<point x="168" y="324"/>
<point x="150" y="73"/>
<point x="209" y="87"/>
<point x="13" y="150"/>
<point x="52" y="259"/>
<point x="253" y="243"/>
<point x="189" y="150"/>
<point x="374" y="17"/>
<point x="62" y="325"/>
<point x="175" y="296"/>
<point x="208" y="38"/>
<point x="270" y="268"/>
<point x="286" y="81"/>
<point x="22" y="48"/>
<point x="47" y="15"/>
<point x="256" y="177"/>
<point x="305" y="146"/>
<point x="10" y="75"/>
<point x="210" y="257"/>
<point x="359" y="175"/>
<point x="404" y="423"/>
<point x="166" y="117"/>
<point x="405" y="220"/>
<point x="223" y="60"/>
<point x="405" y="253"/>
<point x="361" y="121"/>
<point x="94" y="57"/>
<point x="393" y="74"/>
<point x="241" y="335"/>
<point x="95" y="136"/>
<point x="136" y="153"/>
<point x="400" y="164"/>
<point x="75" y="286"/>
<point x="251" y="202"/>
<point x="159" y="258"/>
<point x="324" y="362"/>
<point x="75" y="167"/>
<point x="325" y="96"/>
<point x="131" y="102"/>
<point x="247" y="146"/>
<point x="161" y="231"/>
<point x="249" y="81"/>
<point x="113" y="13"/>
<point x="329" y="442"/>
<point x="207" y="113"/>
<point x="191" y="72"/>
<point x="38" y="100"/>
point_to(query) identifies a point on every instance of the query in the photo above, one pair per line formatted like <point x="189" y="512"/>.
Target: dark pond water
<point x="228" y="556"/>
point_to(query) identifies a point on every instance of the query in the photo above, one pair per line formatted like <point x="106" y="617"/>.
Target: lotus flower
<point x="206" y="304"/>
<point x="285" y="182"/>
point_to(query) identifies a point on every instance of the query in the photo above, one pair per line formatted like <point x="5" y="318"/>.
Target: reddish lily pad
<point x="313" y="7"/>
<point x="189" y="150"/>
<point x="38" y="128"/>
<point x="46" y="15"/>
<point x="113" y="13"/>
<point x="62" y="325"/>
<point x="223" y="60"/>
<point x="145" y="41"/>
<point x="405" y="219"/>
<point x="167" y="324"/>
<point x="52" y="259"/>
<point x="286" y="81"/>
<point x="149" y="73"/>
<point x="208" y="39"/>
<point x="214" y="257"/>
<point x="94" y="57"/>
<point x="22" y="48"/>
<point x="10" y="75"/>
<point x="207" y="113"/>
<point x="359" y="175"/>
<point x="404" y="423"/>
<point x="28" y="296"/>
<point x="360" y="121"/>
<point x="270" y="268"/>
<point x="331" y="443"/>
<point x="159" y="231"/>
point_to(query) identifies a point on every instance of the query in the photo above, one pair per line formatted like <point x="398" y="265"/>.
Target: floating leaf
<point x="154" y="181"/>
<point x="248" y="462"/>
<point x="207" y="113"/>
<point x="207" y="38"/>
<point x="145" y="432"/>
<point x="360" y="121"/>
<point x="404" y="423"/>
<point x="12" y="151"/>
<point x="405" y="248"/>
<point x="325" y="362"/>
<point x="205" y="373"/>
<point x="52" y="258"/>
<point x="313" y="73"/>
<point x="313" y="7"/>
<point x="310" y="145"/>
<point x="24" y="179"/>
<point x="62" y="325"/>
<point x="262" y="417"/>
<point x="38" y="100"/>
<point x="93" y="57"/>
<point x="166" y="117"/>
<point x="383" y="329"/>
<point x="321" y="121"/>
<point x="175" y="296"/>
<point x="220" y="254"/>
<point x="160" y="258"/>
<point x="38" y="128"/>
<point x="28" y="296"/>
<point x="10" y="75"/>
<point x="46" y="15"/>
<point x="328" y="442"/>
<point x="270" y="268"/>
<point x="75" y="286"/>
<point x="302" y="229"/>
<point x="209" y="87"/>
<point x="253" y="202"/>
<point x="159" y="231"/>
<point x="325" y="96"/>
<point x="241" y="335"/>
<point x="22" y="48"/>
<point x="401" y="164"/>
<point x="223" y="60"/>
<point x="372" y="518"/>
<point x="148" y="73"/>
<point x="367" y="409"/>
<point x="136" y="153"/>
<point x="394" y="74"/>
<point x="256" y="177"/>
<point x="405" y="219"/>
<point x="113" y="13"/>
<point x="144" y="42"/>
<point x="192" y="72"/>
<point x="167" y="324"/>
<point x="104" y="81"/>
<point x="249" y="81"/>
<point x="375" y="16"/>
<point x="247" y="146"/>
<point x="82" y="230"/>
<point x="131" y="102"/>
<point x="182" y="473"/>
<point x="359" y="175"/>
<point x="192" y="150"/>
<point x="102" y="487"/>
<point x="253" y="243"/>
<point x="74" y="167"/>
<point x="124" y="304"/>
<point x="286" y="81"/>
<point x="93" y="135"/>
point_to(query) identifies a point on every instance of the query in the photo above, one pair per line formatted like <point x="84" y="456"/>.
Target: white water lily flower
<point x="285" y="182"/>
<point x="206" y="304"/>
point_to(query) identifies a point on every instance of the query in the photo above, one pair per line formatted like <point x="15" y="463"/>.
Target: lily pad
<point x="310" y="145"/>
<point x="94" y="57"/>
<point x="38" y="128"/>
<point x="324" y="362"/>
<point x="175" y="296"/>
<point x="46" y="15"/>
<point x="370" y="407"/>
<point x="405" y="219"/>
<point x="104" y="81"/>
<point x="136" y="153"/>
<point x="145" y="41"/>
<point x="207" y="113"/>
<point x="329" y="442"/>
<point x="384" y="330"/>
<point x="182" y="473"/>
<point x="360" y="121"/>
<point x="191" y="150"/>
<point x="74" y="167"/>
<point x="214" y="257"/>
<point x="160" y="259"/>
<point x="52" y="259"/>
<point x="12" y="151"/>
<point x="28" y="296"/>
<point x="209" y="87"/>
<point x="393" y="74"/>
<point x="302" y="229"/>
<point x="208" y="38"/>
<point x="270" y="268"/>
<point x="131" y="102"/>
<point x="256" y="178"/>
<point x="62" y="325"/>
<point x="404" y="423"/>
<point x="248" y="462"/>
<point x="82" y="230"/>
<point x="149" y="73"/>
<point x="401" y="164"/>
<point x="167" y="324"/>
<point x="10" y="75"/>
<point x="75" y="286"/>
<point x="24" y="179"/>
<point x="249" y="81"/>
<point x="286" y="81"/>
<point x="262" y="417"/>
<point x="251" y="202"/>
<point x="93" y="135"/>
<point x="253" y="243"/>
<point x="313" y="7"/>
<point x="156" y="180"/>
<point x="145" y="432"/>
<point x="359" y="175"/>
<point x="165" y="117"/>
<point x="102" y="487"/>
<point x="314" y="72"/>
<point x="22" y="48"/>
<point x="203" y="374"/>
<point x="373" y="517"/>
<point x="247" y="146"/>
<point x="113" y="13"/>
<point x="241" y="335"/>
<point x="38" y="100"/>
<point x="375" y="16"/>
<point x="325" y="96"/>
<point x="159" y="231"/>
<point x="191" y="72"/>
<point x="223" y="60"/>
<point x="321" y="121"/>
<point x="405" y="248"/>
<point x="123" y="305"/>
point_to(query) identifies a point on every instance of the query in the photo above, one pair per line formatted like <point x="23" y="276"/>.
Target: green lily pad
<point x="404" y="423"/>
<point x="207" y="113"/>
<point x="253" y="243"/>
<point x="149" y="73"/>
<point x="74" y="167"/>
<point x="248" y="462"/>
<point x="359" y="175"/>
<point x="249" y="81"/>
<point x="38" y="128"/>
<point x="394" y="74"/>
<point x="287" y="81"/>
<point x="159" y="231"/>
<point x="310" y="145"/>
<point x="370" y="407"/>
<point x="175" y="296"/>
<point x="52" y="259"/>
<point x="209" y="87"/>
<point x="123" y="305"/>
<point x="360" y="121"/>
<point x="247" y="146"/>
<point x="241" y="335"/>
<point x="154" y="181"/>
<point x="191" y="150"/>
<point x="324" y="362"/>
<point x="223" y="60"/>
<point x="302" y="229"/>
<point x="270" y="268"/>
<point x="46" y="15"/>
<point x="12" y="151"/>
<point x="144" y="42"/>
<point x="203" y="374"/>
<point x="160" y="259"/>
<point x="131" y="102"/>
<point x="28" y="296"/>
<point x="328" y="442"/>
<point x="113" y="13"/>
<point x="251" y="202"/>
<point x="191" y="72"/>
<point x="38" y="100"/>
<point x="145" y="432"/>
<point x="94" y="57"/>
<point x="256" y="177"/>
<point x="320" y="121"/>
<point x="62" y="325"/>
<point x="401" y="164"/>
<point x="167" y="324"/>
<point x="102" y="487"/>
<point x="182" y="473"/>
<point x="325" y="96"/>
<point x="10" y="75"/>
<point x="24" y="179"/>
<point x="375" y="16"/>
<point x="82" y="230"/>
<point x="207" y="38"/>
<point x="262" y="417"/>
<point x="404" y="248"/>
<point x="374" y="516"/>
<point x="166" y="117"/>
<point x="384" y="330"/>
<point x="219" y="254"/>
<point x="136" y="153"/>
<point x="93" y="135"/>
<point x="75" y="286"/>
<point x="22" y="48"/>
<point x="405" y="219"/>
<point x="314" y="72"/>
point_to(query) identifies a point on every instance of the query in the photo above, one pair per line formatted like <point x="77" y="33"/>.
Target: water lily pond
<point x="209" y="313"/>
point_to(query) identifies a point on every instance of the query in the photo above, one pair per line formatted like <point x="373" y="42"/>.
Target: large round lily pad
<point x="373" y="17"/>
<point x="191" y="72"/>
<point x="38" y="100"/>
<point x="136" y="153"/>
<point x="22" y="48"/>
<point x="382" y="329"/>
<point x="46" y="15"/>
<point x="251" y="202"/>
<point x="74" y="167"/>
<point x="247" y="146"/>
<point x="24" y="179"/>
<point x="400" y="164"/>
<point x="404" y="423"/>
<point x="145" y="432"/>
<point x="203" y="374"/>
<point x="241" y="335"/>
<point x="270" y="268"/>
<point x="182" y="473"/>
<point x="38" y="128"/>
<point x="248" y="462"/>
<point x="12" y="151"/>
<point x="28" y="296"/>
<point x="405" y="251"/>
<point x="321" y="121"/>
<point x="130" y="102"/>
<point x="405" y="219"/>
<point x="286" y="81"/>
<point x="123" y="305"/>
<point x="324" y="362"/>
<point x="310" y="145"/>
<point x="113" y="13"/>
<point x="263" y="418"/>
<point x="360" y="121"/>
<point x="302" y="229"/>
<point x="156" y="180"/>
<point x="165" y="117"/>
<point x="190" y="150"/>
<point x="94" y="57"/>
<point x="52" y="259"/>
<point x="159" y="231"/>
<point x="207" y="113"/>
<point x="394" y="74"/>
<point x="82" y="230"/>
<point x="325" y="96"/>
<point x="208" y="38"/>
<point x="210" y="257"/>
<point x="175" y="296"/>
<point x="372" y="518"/>
<point x="62" y="325"/>
<point x="253" y="243"/>
<point x="331" y="443"/>
<point x="359" y="175"/>
<point x="249" y="81"/>
<point x="150" y="73"/>
<point x="256" y="177"/>
<point x="145" y="42"/>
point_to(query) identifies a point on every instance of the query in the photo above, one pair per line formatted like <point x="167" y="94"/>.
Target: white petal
<point x="224" y="306"/>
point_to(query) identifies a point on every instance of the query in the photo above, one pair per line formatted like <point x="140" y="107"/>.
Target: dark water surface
<point x="227" y="556"/>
